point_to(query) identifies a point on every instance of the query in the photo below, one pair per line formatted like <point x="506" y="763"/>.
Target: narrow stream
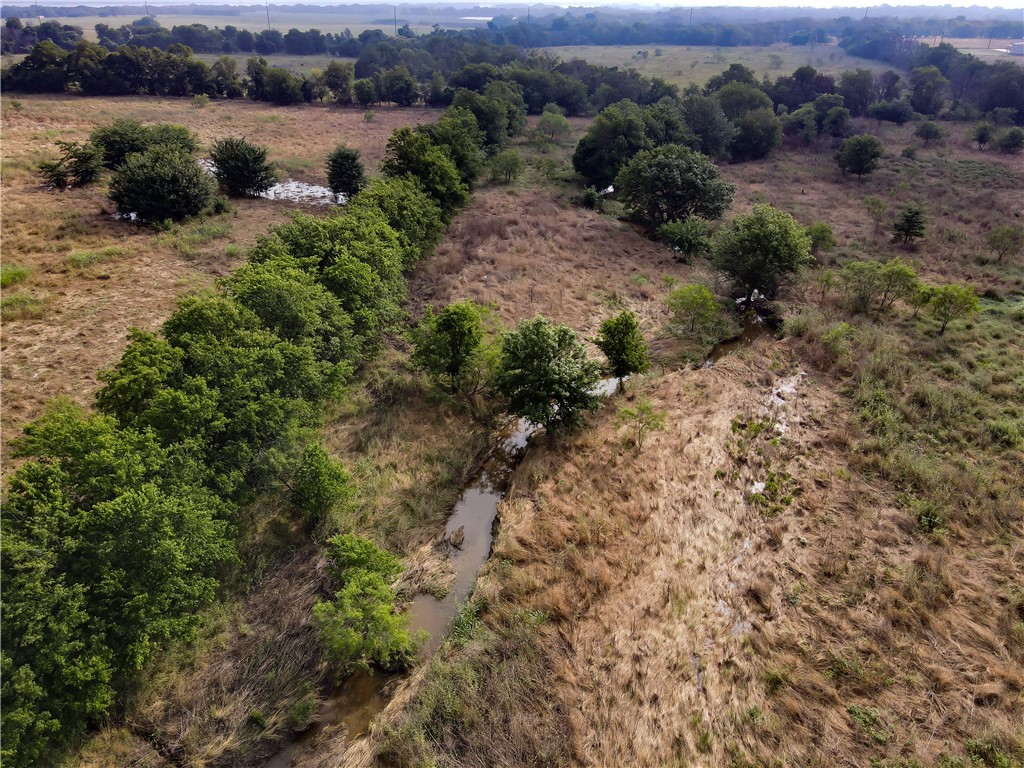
<point x="353" y="704"/>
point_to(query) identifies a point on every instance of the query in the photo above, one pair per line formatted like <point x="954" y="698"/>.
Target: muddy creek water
<point x="351" y="706"/>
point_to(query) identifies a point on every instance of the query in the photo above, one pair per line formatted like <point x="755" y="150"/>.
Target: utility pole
<point x="527" y="15"/>
<point x="268" y="15"/>
<point x="148" y="15"/>
<point x="395" y="8"/>
<point x="691" y="17"/>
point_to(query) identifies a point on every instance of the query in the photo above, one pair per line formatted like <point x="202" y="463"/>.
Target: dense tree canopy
<point x="672" y="183"/>
<point x="760" y="249"/>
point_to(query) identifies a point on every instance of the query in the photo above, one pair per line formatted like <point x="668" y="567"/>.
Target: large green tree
<point x="453" y="346"/>
<point x="760" y="249"/>
<point x="545" y="375"/>
<point x="672" y="183"/>
<point x="623" y="345"/>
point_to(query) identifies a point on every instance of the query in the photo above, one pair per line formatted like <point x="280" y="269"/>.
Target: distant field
<point x="257" y="21"/>
<point x="298" y="65"/>
<point x="980" y="48"/>
<point x="685" y="64"/>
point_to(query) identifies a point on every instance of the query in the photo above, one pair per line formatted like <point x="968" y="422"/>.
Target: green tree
<point x="688" y="237"/>
<point x="860" y="154"/>
<point x="616" y="135"/>
<point x="339" y="76"/>
<point x="737" y="99"/>
<point x="623" y="345"/>
<point x="365" y="92"/>
<point x="159" y="184"/>
<point x="672" y="183"/>
<point x="281" y="87"/>
<point x="927" y="90"/>
<point x="415" y="154"/>
<point x="241" y="168"/>
<point x="694" y="307"/>
<point x="876" y="210"/>
<point x="950" y="302"/>
<point x="458" y="132"/>
<point x="506" y="166"/>
<point x="757" y="133"/>
<point x="707" y="121"/>
<point x="857" y="89"/>
<point x="758" y="250"/>
<point x="553" y="128"/>
<point x="319" y="483"/>
<point x="982" y="134"/>
<point x="360" y="626"/>
<point x="345" y="172"/>
<point x="642" y="419"/>
<point x="399" y="86"/>
<point x="1007" y="240"/>
<point x="929" y="132"/>
<point x="121" y="138"/>
<point x="909" y="224"/>
<point x="545" y="375"/>
<point x="454" y="347"/>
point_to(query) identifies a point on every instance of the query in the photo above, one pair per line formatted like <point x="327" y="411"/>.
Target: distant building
<point x="1016" y="49"/>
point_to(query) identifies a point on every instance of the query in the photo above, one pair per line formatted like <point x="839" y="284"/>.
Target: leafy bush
<point x="345" y="172"/>
<point x="898" y="112"/>
<point x="688" y="237"/>
<point x="241" y="168"/>
<point x="126" y="137"/>
<point x="416" y="155"/>
<point x="694" y="307"/>
<point x="821" y="236"/>
<point x="642" y="419"/>
<point x="506" y="166"/>
<point x="929" y="131"/>
<point x="590" y="199"/>
<point x="1011" y="142"/>
<point x="409" y="210"/>
<point x="160" y="184"/>
<point x="79" y="165"/>
<point x="1006" y="240"/>
<point x="758" y="250"/>
<point x="319" y="483"/>
<point x="360" y="626"/>
<point x="950" y="302"/>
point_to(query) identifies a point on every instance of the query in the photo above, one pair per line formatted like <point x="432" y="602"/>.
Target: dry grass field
<point x="91" y="278"/>
<point x="647" y="608"/>
<point x="686" y="64"/>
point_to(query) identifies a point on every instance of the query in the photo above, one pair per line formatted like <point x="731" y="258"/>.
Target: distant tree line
<point x="576" y="87"/>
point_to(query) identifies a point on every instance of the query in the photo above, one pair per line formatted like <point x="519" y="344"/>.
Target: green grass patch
<point x="11" y="274"/>
<point x="84" y="259"/>
<point x="21" y="306"/>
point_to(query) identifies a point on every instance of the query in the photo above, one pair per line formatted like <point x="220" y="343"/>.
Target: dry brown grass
<point x="528" y="250"/>
<point x="967" y="193"/>
<point x="689" y="627"/>
<point x="82" y="325"/>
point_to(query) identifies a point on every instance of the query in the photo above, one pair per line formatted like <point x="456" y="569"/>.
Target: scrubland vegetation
<point x="802" y="552"/>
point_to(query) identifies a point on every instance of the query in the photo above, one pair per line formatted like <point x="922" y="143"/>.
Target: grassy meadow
<point x="686" y="64"/>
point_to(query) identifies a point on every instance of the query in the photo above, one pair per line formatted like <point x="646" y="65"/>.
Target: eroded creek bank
<point x="351" y="706"/>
